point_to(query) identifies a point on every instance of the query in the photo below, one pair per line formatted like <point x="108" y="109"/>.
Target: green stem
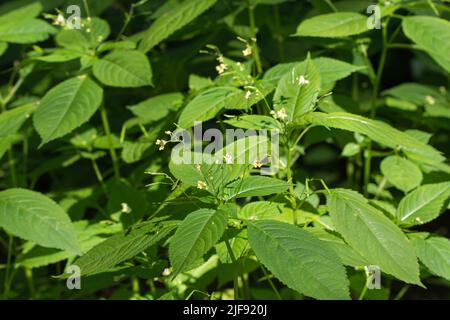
<point x="363" y="292"/>
<point x="8" y="267"/>
<point x="30" y="281"/>
<point x="275" y="290"/>
<point x="402" y="292"/>
<point x="234" y="261"/>
<point x="112" y="151"/>
<point x="375" y="92"/>
<point x="278" y="35"/>
<point x="251" y="15"/>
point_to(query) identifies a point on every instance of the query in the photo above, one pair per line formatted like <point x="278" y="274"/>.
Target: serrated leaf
<point x="12" y="120"/>
<point x="255" y="186"/>
<point x="401" y="172"/>
<point x="434" y="253"/>
<point x="198" y="233"/>
<point x="378" y="131"/>
<point x="432" y="34"/>
<point x="124" y="246"/>
<point x="126" y="69"/>
<point x="259" y="210"/>
<point x="24" y="32"/>
<point x="206" y="105"/>
<point x="296" y="97"/>
<point x="156" y="108"/>
<point x="423" y="204"/>
<point x="333" y="25"/>
<point x="173" y="20"/>
<point x="66" y="107"/>
<point x="348" y="256"/>
<point x="373" y="235"/>
<point x="254" y="121"/>
<point x="300" y="260"/>
<point x="32" y="216"/>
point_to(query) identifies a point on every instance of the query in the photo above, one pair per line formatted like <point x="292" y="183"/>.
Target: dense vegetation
<point x="357" y="181"/>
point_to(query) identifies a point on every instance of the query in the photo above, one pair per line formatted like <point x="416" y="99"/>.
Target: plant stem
<point x="275" y="290"/>
<point x="233" y="259"/>
<point x="363" y="292"/>
<point x="112" y="151"/>
<point x="278" y="35"/>
<point x="373" y="111"/>
<point x="251" y="15"/>
<point x="8" y="267"/>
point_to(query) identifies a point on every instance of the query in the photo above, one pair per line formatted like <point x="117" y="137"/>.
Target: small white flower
<point x="202" y="185"/>
<point x="248" y="94"/>
<point x="247" y="51"/>
<point x="59" y="20"/>
<point x="228" y="158"/>
<point x="257" y="164"/>
<point x="302" y="80"/>
<point x="167" y="272"/>
<point x="198" y="167"/>
<point x="430" y="100"/>
<point x="240" y="66"/>
<point x="280" y="114"/>
<point x="161" y="143"/>
<point x="221" y="68"/>
<point x="125" y="208"/>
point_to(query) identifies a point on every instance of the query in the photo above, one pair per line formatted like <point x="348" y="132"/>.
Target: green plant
<point x="359" y="166"/>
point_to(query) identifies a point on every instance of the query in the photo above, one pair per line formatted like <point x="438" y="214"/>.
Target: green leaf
<point x="333" y="25"/>
<point x="32" y="216"/>
<point x="123" y="246"/>
<point x="12" y="120"/>
<point x="3" y="47"/>
<point x="259" y="210"/>
<point x="126" y="69"/>
<point x="157" y="108"/>
<point x="173" y="20"/>
<point x="255" y="186"/>
<point x="432" y="34"/>
<point x="402" y="173"/>
<point x="300" y="260"/>
<point x="30" y="31"/>
<point x="331" y="70"/>
<point x="206" y="105"/>
<point x="254" y="121"/>
<point x="66" y="107"/>
<point x="90" y="35"/>
<point x="295" y="97"/>
<point x="198" y="233"/>
<point x="423" y="204"/>
<point x="373" y="235"/>
<point x="348" y="256"/>
<point x="21" y="13"/>
<point x="434" y="253"/>
<point x="378" y="131"/>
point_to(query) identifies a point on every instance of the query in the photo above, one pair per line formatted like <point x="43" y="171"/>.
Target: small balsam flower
<point x="302" y="81"/>
<point x="248" y="94"/>
<point x="257" y="164"/>
<point x="430" y="100"/>
<point x="59" y="20"/>
<point x="125" y="208"/>
<point x="202" y="185"/>
<point x="280" y="114"/>
<point x="228" y="158"/>
<point x="247" y="51"/>
<point x="161" y="143"/>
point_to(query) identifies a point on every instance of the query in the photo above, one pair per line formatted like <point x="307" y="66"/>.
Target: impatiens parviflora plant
<point x="220" y="230"/>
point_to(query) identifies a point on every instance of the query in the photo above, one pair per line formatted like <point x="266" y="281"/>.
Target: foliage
<point x="88" y="175"/>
